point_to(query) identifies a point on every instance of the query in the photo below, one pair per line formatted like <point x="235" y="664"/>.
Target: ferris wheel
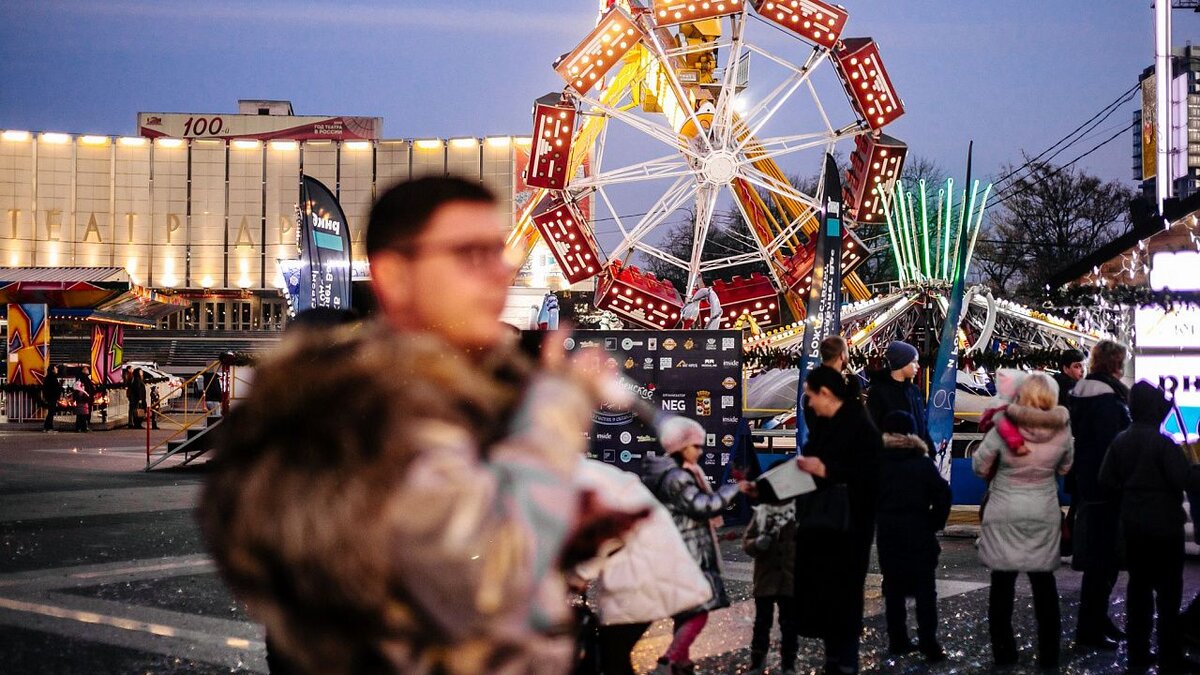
<point x="661" y="130"/>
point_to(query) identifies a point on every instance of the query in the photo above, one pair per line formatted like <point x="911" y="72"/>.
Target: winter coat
<point x="51" y="391"/>
<point x="831" y="567"/>
<point x="1099" y="411"/>
<point x="914" y="503"/>
<point x="692" y="508"/>
<point x="650" y="574"/>
<point x="1149" y="471"/>
<point x="478" y="503"/>
<point x="770" y="539"/>
<point x="885" y="395"/>
<point x="1023" y="522"/>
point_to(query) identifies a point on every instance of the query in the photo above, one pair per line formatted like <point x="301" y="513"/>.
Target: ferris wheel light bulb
<point x="671" y="12"/>
<point x="613" y="36"/>
<point x="854" y="58"/>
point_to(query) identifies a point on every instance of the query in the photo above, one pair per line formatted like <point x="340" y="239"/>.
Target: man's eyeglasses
<point x="472" y="253"/>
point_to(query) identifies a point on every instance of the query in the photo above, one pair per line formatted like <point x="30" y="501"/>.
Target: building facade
<point x="207" y="210"/>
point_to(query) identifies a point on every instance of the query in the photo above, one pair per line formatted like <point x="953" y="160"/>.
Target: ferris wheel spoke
<point x="724" y="115"/>
<point x="666" y="136"/>
<point x="612" y="210"/>
<point x="668" y="166"/>
<point x="776" y="187"/>
<point x="778" y="146"/>
<point x="812" y="92"/>
<point x="681" y="97"/>
<point x="764" y="110"/>
<point x="706" y="204"/>
<point x="730" y="261"/>
<point x="675" y="197"/>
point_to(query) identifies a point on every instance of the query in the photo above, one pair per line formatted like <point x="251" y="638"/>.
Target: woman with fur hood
<point x="679" y="483"/>
<point x="1021" y="527"/>
<point x="914" y="503"/>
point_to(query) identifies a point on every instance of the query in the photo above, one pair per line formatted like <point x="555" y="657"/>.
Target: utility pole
<point x="1162" y="85"/>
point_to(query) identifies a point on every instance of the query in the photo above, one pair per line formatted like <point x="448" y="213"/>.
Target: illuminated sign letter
<point x="285" y="226"/>
<point x="92" y="226"/>
<point x="172" y="225"/>
<point x="243" y="236"/>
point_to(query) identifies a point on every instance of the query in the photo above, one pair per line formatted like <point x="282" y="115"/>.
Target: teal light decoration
<point x="925" y="250"/>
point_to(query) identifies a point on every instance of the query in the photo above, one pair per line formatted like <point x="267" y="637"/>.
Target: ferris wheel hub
<point x="719" y="168"/>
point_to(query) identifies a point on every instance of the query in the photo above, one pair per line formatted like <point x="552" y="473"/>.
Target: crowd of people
<point x="423" y="502"/>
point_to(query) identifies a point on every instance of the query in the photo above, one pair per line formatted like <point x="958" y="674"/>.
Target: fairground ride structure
<point x="659" y="106"/>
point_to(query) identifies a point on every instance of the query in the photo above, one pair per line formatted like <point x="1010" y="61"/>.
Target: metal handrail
<point x="185" y="423"/>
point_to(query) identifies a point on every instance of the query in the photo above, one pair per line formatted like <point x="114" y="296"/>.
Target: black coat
<point x="51" y="390"/>
<point x="1099" y="411"/>
<point x="831" y="567"/>
<point x="886" y="395"/>
<point x="1149" y="470"/>
<point x="914" y="503"/>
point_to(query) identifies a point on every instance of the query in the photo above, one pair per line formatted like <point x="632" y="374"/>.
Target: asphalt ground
<point x="103" y="571"/>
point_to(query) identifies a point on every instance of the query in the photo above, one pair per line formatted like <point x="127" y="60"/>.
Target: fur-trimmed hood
<point x="907" y="444"/>
<point x="1038" y="425"/>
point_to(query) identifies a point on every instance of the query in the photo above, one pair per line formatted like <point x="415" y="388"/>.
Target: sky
<point x="1013" y="77"/>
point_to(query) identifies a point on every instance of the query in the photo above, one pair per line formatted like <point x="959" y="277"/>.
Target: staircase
<point x="196" y="440"/>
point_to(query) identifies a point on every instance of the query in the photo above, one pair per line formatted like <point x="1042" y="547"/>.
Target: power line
<point x="1105" y="112"/>
<point x="1060" y="169"/>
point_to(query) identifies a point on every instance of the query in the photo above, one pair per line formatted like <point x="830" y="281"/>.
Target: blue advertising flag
<point x="939" y="410"/>
<point x="823" y="307"/>
<point x="324" y="238"/>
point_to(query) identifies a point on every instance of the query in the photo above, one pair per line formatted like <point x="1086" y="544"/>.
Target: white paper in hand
<point x="785" y="481"/>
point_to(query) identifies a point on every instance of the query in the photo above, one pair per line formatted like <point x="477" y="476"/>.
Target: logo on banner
<point x="703" y="403"/>
<point x="688" y="344"/>
<point x="652" y="344"/>
<point x="726" y="402"/>
<point x="710" y="344"/>
<point x="610" y="344"/>
<point x="629" y="363"/>
<point x="664" y="363"/>
<point x="626" y="438"/>
<point x="727" y="440"/>
<point x="729" y="383"/>
<point x="726" y="344"/>
<point x="668" y="344"/>
<point x="626" y="456"/>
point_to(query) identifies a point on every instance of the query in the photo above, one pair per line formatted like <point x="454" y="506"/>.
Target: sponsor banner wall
<point x="695" y="373"/>
<point x="259" y="127"/>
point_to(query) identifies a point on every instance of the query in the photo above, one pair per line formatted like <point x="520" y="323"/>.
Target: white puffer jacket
<point x="650" y="574"/>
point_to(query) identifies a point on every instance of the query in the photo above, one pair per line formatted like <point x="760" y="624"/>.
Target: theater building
<point x="202" y="205"/>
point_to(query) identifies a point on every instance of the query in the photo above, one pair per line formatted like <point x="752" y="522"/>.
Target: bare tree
<point x="1044" y="219"/>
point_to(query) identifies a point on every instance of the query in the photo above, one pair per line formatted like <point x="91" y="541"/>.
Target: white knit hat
<point x="676" y="433"/>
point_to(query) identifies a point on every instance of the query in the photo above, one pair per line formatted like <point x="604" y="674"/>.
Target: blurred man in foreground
<point x="397" y="497"/>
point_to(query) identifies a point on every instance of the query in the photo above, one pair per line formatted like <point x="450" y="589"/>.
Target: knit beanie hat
<point x="676" y="433"/>
<point x="899" y="354"/>
<point x="899" y="422"/>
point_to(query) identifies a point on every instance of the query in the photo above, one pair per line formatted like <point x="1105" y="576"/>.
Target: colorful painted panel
<point x="108" y="353"/>
<point x="28" y="343"/>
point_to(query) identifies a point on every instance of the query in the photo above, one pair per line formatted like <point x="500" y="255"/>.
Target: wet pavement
<point x="102" y="570"/>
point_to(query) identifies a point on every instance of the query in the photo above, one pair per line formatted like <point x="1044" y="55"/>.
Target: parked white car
<point x="169" y="386"/>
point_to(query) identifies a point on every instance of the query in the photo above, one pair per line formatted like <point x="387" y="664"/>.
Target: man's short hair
<point x="833" y="347"/>
<point x="1108" y="358"/>
<point x="1069" y="357"/>
<point x="402" y="213"/>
